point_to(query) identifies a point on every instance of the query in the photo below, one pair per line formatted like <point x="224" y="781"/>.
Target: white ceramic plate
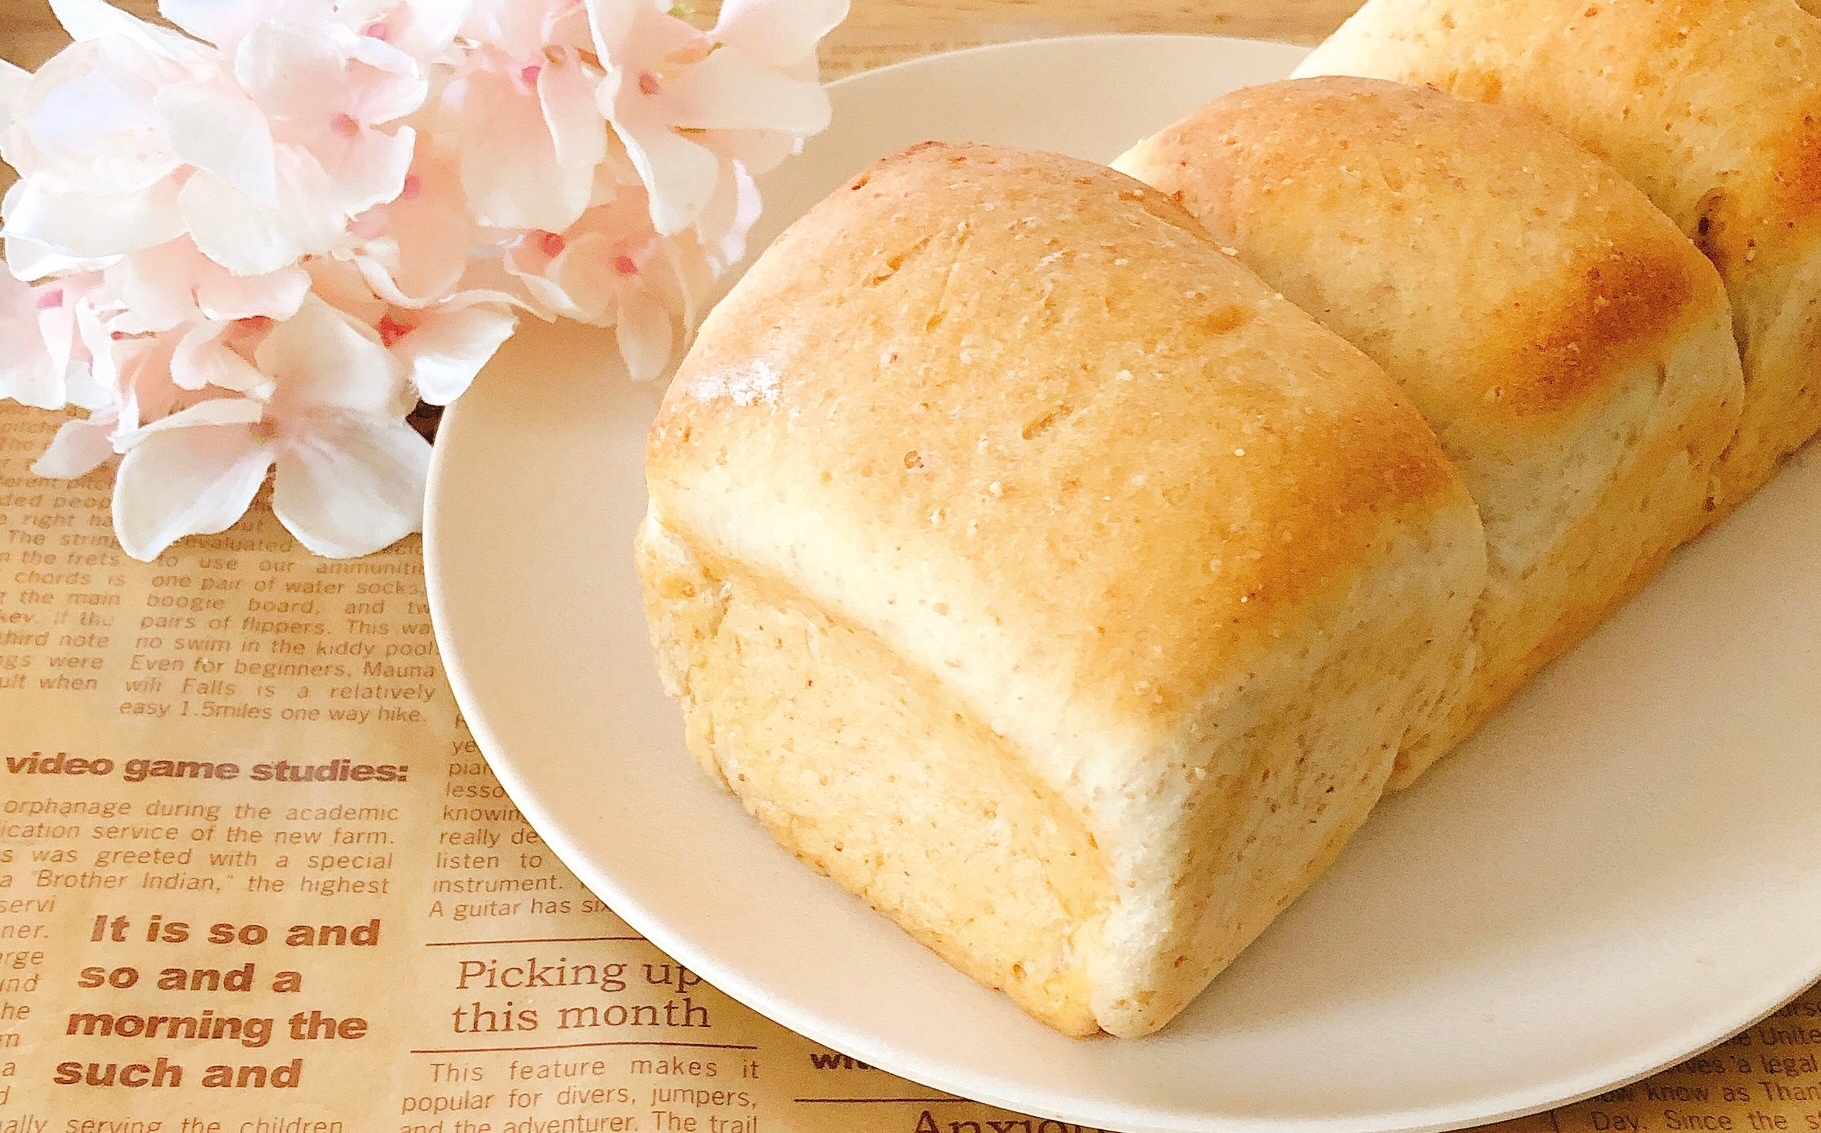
<point x="1621" y="870"/>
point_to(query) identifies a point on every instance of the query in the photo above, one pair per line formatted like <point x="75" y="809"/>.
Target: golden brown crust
<point x="1712" y="107"/>
<point x="1529" y="271"/>
<point x="1045" y="463"/>
<point x="1535" y="304"/>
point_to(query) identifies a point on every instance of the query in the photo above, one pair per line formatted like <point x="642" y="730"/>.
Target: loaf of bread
<point x="1025" y="564"/>
<point x="1571" y="349"/>
<point x="1712" y="107"/>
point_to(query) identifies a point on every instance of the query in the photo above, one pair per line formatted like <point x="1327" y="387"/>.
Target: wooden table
<point x="880" y="31"/>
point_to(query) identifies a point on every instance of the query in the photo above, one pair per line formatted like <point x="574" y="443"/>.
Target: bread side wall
<point x="868" y="771"/>
<point x="1279" y="767"/>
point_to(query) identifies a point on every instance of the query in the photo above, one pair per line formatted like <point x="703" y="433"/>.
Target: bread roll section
<point x="1572" y="350"/>
<point x="1026" y="565"/>
<point x="1712" y="107"/>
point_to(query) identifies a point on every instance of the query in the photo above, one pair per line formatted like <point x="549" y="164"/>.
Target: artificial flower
<point x="325" y="97"/>
<point x="348" y="472"/>
<point x="686" y="103"/>
<point x="523" y="114"/>
<point x="251" y="245"/>
<point x="47" y="363"/>
<point x="422" y="29"/>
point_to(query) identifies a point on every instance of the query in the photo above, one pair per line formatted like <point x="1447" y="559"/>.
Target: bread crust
<point x="1712" y="107"/>
<point x="1012" y="419"/>
<point x="1567" y="343"/>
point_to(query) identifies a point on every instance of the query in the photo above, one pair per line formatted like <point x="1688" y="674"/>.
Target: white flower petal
<point x="729" y="217"/>
<point x="221" y="23"/>
<point x="85" y="391"/>
<point x="215" y="412"/>
<point x="366" y="170"/>
<point x="577" y="130"/>
<point x="88" y="133"/>
<point x="225" y="134"/>
<point x="93" y="227"/>
<point x="679" y="174"/>
<point x="758" y="151"/>
<point x="32" y="261"/>
<point x="351" y="489"/>
<point x="429" y="25"/>
<point x="509" y="166"/>
<point x="449" y="348"/>
<point x="186" y="482"/>
<point x="645" y="335"/>
<point x="80" y="447"/>
<point x="92" y="19"/>
<point x="13" y="84"/>
<point x="323" y="359"/>
<point x="730" y="91"/>
<point x="155" y="286"/>
<point x="236" y="232"/>
<point x="384" y="83"/>
<point x="610" y="22"/>
<point x="778" y="33"/>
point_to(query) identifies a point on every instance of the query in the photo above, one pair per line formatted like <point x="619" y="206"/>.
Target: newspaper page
<point x="255" y="877"/>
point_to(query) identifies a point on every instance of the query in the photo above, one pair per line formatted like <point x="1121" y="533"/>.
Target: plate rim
<point x="1512" y="1104"/>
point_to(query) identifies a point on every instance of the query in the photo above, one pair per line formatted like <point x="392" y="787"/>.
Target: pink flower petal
<point x="349" y="488"/>
<point x="324" y="360"/>
<point x="142" y="385"/>
<point x="449" y="348"/>
<point x="80" y="447"/>
<point x="428" y="237"/>
<point x="591" y="273"/>
<point x="422" y="29"/>
<point x="610" y="22"/>
<point x="186" y="482"/>
<point x="86" y="226"/>
<point x="342" y="284"/>
<point x="654" y="37"/>
<point x="223" y="133"/>
<point x="514" y="27"/>
<point x="731" y="91"/>
<point x="157" y="286"/>
<point x="276" y="295"/>
<point x="27" y="374"/>
<point x="777" y="33"/>
<point x="383" y="83"/>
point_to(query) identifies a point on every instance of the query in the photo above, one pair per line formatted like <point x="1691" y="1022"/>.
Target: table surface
<point x="879" y="31"/>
